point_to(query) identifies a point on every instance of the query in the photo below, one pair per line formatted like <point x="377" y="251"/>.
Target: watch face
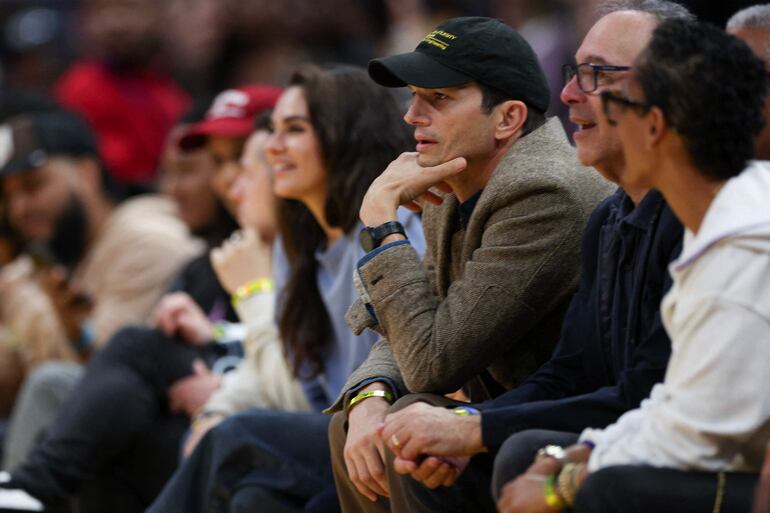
<point x="554" y="451"/>
<point x="366" y="239"/>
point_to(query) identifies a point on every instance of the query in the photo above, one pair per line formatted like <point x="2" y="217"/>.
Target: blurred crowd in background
<point x="160" y="57"/>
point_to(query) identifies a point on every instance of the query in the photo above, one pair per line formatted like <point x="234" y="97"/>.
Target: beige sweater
<point x="141" y="247"/>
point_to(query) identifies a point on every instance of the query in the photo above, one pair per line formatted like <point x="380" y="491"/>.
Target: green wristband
<point x="552" y="497"/>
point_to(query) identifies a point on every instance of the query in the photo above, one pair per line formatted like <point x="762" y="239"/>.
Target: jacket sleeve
<point x="720" y="341"/>
<point x="524" y="267"/>
<point x="380" y="365"/>
<point x="542" y="403"/>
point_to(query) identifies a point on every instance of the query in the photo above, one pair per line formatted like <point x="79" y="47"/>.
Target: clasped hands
<point x="430" y="443"/>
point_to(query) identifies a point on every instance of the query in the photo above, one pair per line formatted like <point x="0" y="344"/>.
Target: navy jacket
<point x="613" y="347"/>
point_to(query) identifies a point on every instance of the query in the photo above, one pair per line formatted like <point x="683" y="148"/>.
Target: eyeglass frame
<point x="611" y="96"/>
<point x="570" y="71"/>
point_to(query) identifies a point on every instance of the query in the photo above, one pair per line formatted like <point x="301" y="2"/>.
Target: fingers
<point x="395" y="436"/>
<point x="367" y="473"/>
<point x="432" y="197"/>
<point x="355" y="477"/>
<point x="403" y="466"/>
<point x="377" y="477"/>
<point x="441" y="472"/>
<point x="505" y="499"/>
<point x="447" y="169"/>
<point x="199" y="368"/>
<point x="413" y="206"/>
<point x="431" y="472"/>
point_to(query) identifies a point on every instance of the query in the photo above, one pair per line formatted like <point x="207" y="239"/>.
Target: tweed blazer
<point x="487" y="321"/>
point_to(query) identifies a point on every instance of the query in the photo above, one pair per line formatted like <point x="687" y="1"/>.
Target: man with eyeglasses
<point x="613" y="347"/>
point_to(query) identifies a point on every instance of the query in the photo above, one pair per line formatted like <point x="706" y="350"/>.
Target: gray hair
<point x="756" y="16"/>
<point x="661" y="9"/>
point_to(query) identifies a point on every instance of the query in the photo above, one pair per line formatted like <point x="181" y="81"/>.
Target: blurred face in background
<point x="226" y="153"/>
<point x="48" y="204"/>
<point x="187" y="178"/>
<point x="252" y="192"/>
<point x="37" y="198"/>
<point x="294" y="152"/>
<point x="126" y="32"/>
<point x="759" y="41"/>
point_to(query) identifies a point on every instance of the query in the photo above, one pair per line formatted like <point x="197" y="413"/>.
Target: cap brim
<point x="196" y="135"/>
<point x="415" y="69"/>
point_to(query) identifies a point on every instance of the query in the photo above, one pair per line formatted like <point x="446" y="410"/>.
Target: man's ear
<point x="511" y="116"/>
<point x="658" y="127"/>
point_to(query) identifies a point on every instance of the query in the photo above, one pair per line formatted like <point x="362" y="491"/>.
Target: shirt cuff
<point x="376" y="251"/>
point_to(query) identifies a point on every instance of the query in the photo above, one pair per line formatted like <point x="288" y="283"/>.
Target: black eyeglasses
<point x="610" y="98"/>
<point x="590" y="76"/>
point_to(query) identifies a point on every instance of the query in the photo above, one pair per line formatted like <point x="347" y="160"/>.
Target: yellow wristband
<point x="252" y="288"/>
<point x="371" y="393"/>
<point x="465" y="411"/>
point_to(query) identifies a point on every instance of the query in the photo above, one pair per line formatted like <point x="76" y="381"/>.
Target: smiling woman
<point x="333" y="132"/>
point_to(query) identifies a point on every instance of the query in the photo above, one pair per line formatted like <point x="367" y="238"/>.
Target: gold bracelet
<point x="371" y="393"/>
<point x="250" y="289"/>
<point x="566" y="484"/>
<point x="552" y="497"/>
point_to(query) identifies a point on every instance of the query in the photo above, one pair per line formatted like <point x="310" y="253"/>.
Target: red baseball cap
<point x="232" y="114"/>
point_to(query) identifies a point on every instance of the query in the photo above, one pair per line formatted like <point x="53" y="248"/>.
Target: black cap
<point x="469" y="49"/>
<point x="29" y="140"/>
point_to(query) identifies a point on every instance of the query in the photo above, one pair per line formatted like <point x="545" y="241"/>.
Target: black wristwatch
<point x="371" y="238"/>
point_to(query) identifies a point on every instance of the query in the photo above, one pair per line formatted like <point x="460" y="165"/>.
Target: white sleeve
<point x="708" y="405"/>
<point x="263" y="378"/>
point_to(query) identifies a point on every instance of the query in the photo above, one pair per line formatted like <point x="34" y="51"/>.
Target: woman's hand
<point x="243" y="258"/>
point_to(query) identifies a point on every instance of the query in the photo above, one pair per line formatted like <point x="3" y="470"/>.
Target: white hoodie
<point x="712" y="411"/>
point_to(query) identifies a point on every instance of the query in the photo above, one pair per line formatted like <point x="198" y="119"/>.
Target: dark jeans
<point x="114" y="442"/>
<point x="640" y="489"/>
<point x="628" y="489"/>
<point x="255" y="461"/>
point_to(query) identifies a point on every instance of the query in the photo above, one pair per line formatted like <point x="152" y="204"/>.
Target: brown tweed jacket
<point x="485" y="308"/>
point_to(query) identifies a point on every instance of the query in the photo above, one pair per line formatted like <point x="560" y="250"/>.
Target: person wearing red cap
<point x="224" y="130"/>
<point x="127" y="415"/>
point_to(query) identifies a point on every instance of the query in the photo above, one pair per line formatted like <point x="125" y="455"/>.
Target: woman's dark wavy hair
<point x="360" y="131"/>
<point x="711" y="89"/>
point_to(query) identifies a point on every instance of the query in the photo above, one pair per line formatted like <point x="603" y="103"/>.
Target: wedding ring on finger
<point x="235" y="237"/>
<point x="394" y="441"/>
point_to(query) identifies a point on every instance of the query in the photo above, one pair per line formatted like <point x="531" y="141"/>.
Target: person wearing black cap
<point x="485" y="308"/>
<point x="613" y="346"/>
<point x="86" y="250"/>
